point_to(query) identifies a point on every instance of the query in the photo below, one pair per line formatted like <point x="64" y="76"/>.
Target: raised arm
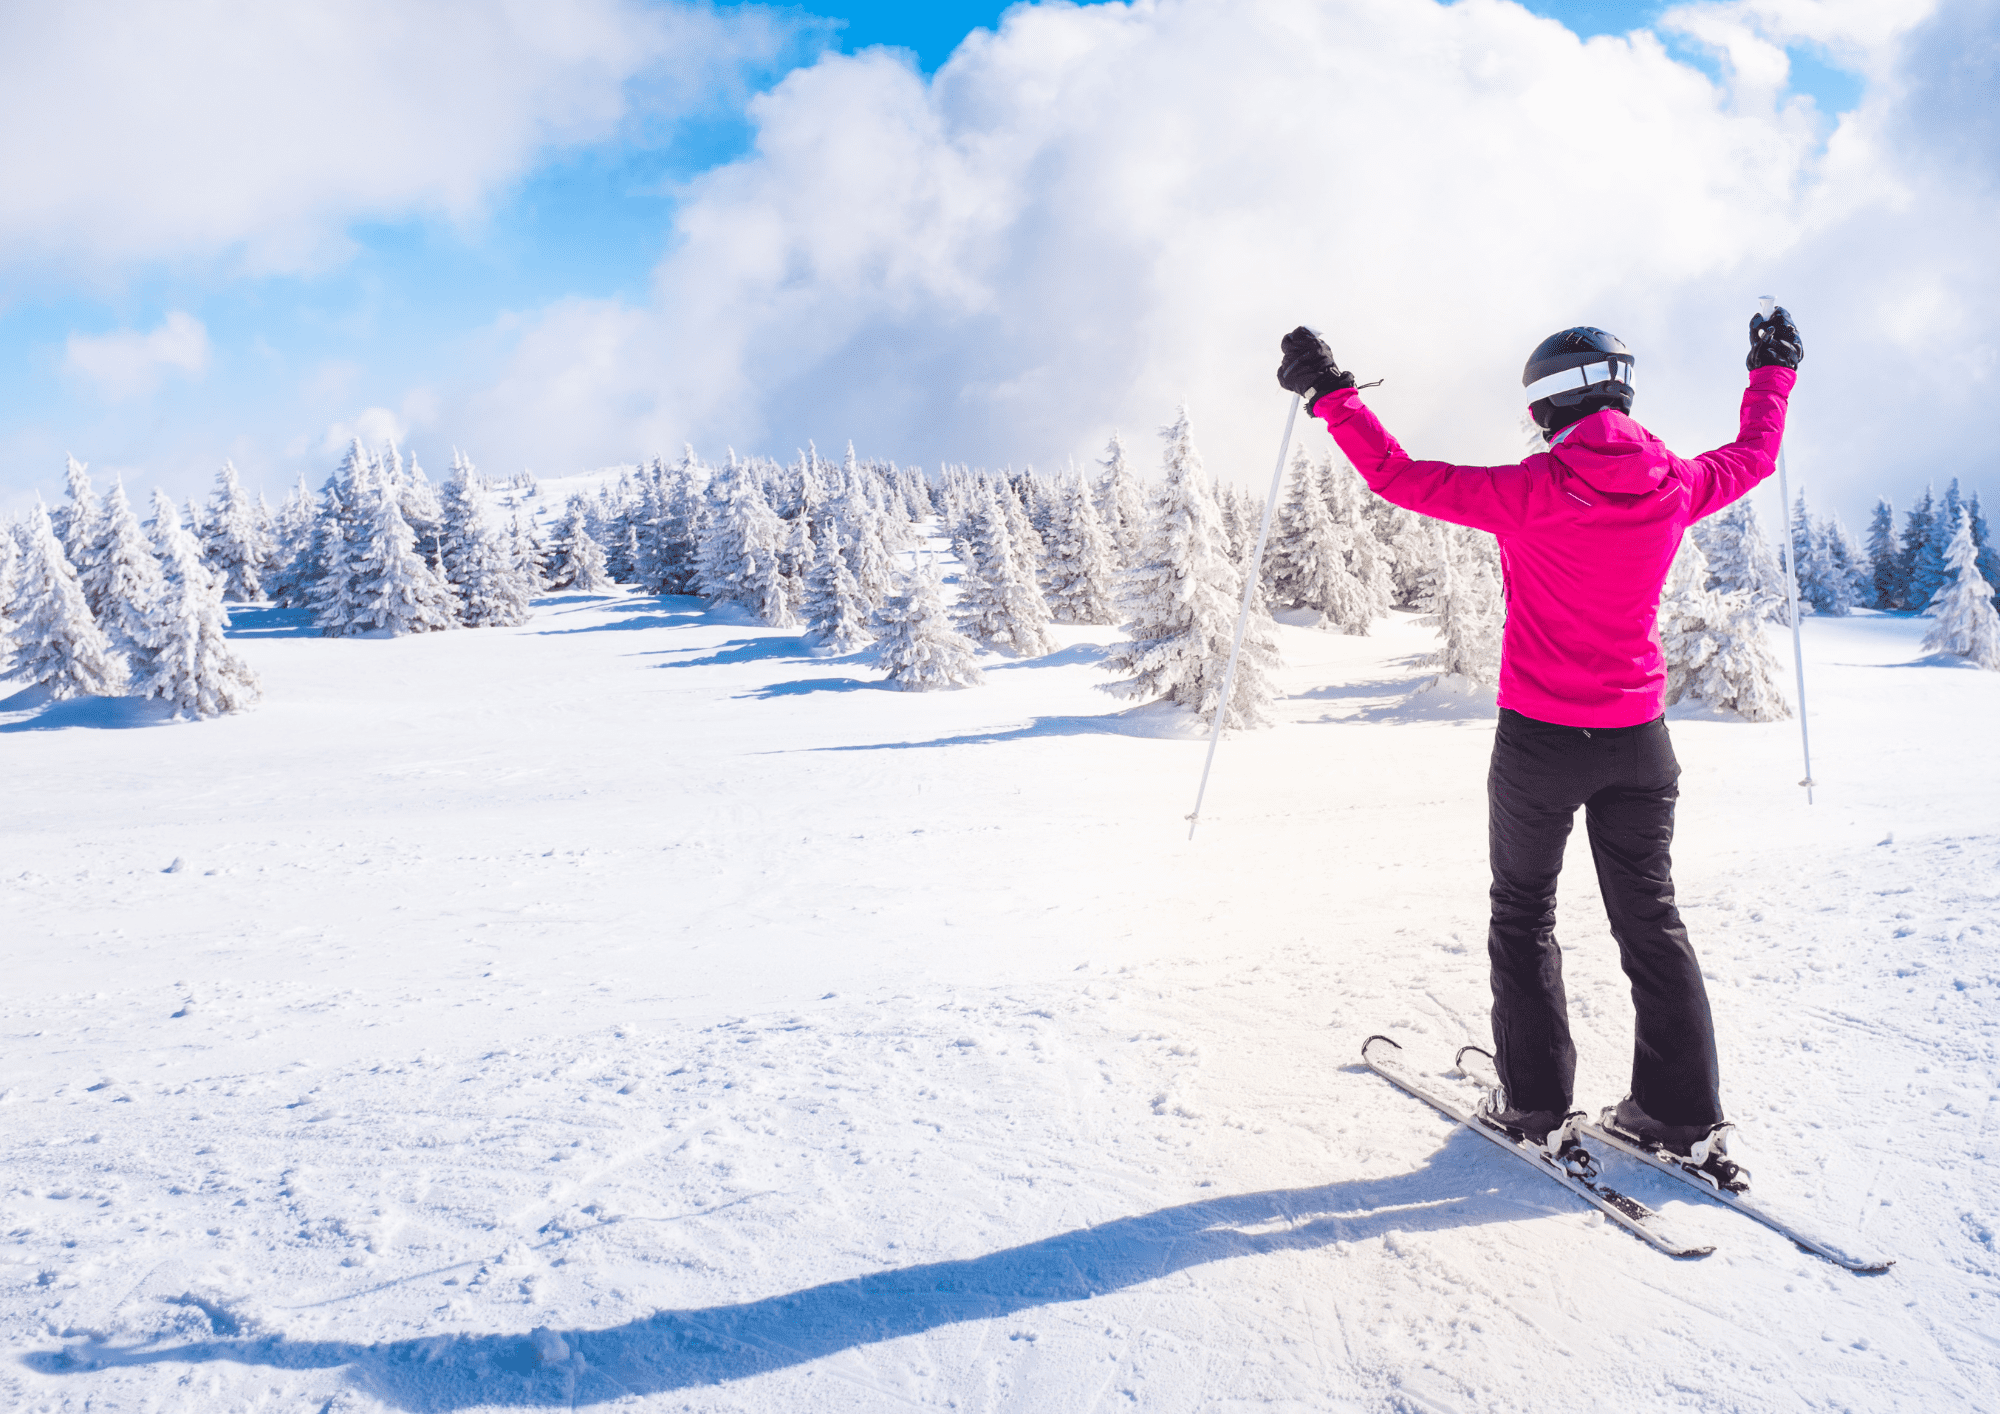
<point x="1490" y="498"/>
<point x="1729" y="473"/>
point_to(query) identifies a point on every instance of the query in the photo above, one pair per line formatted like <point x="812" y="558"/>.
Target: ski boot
<point x="1701" y="1149"/>
<point x="1554" y="1134"/>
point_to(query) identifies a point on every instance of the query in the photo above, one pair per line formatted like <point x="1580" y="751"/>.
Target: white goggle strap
<point x="1574" y="380"/>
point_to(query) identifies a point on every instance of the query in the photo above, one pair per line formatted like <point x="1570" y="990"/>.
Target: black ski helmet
<point x="1572" y="374"/>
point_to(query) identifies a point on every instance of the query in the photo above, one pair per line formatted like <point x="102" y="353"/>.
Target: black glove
<point x="1308" y="368"/>
<point x="1775" y="341"/>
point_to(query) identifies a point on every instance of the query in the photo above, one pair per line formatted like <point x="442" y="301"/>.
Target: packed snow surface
<point x="632" y="1009"/>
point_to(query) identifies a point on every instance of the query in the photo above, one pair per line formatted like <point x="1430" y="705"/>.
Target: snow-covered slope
<point x="631" y="1009"/>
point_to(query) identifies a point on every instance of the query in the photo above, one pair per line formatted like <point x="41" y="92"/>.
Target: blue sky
<point x="409" y="305"/>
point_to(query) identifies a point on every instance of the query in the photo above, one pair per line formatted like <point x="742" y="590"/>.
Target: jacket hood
<point x="1612" y="453"/>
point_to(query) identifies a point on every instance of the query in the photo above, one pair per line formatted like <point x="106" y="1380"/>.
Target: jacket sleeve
<point x="1729" y="473"/>
<point x="1490" y="498"/>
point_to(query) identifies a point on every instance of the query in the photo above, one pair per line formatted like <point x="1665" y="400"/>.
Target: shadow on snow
<point x="269" y="621"/>
<point x="801" y="686"/>
<point x="92" y="713"/>
<point x="683" y="1349"/>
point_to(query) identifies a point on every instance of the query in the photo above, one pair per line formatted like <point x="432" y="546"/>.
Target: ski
<point x="1668" y="1162"/>
<point x="1635" y="1217"/>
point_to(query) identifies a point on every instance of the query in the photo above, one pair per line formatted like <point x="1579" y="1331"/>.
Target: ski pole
<point x="1766" y="303"/>
<point x="1243" y="615"/>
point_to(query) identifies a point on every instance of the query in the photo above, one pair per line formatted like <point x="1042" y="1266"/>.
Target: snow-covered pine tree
<point x="477" y="561"/>
<point x="1406" y="544"/>
<point x="1847" y="574"/>
<point x="835" y="611"/>
<point x="384" y="585"/>
<point x="189" y="663"/>
<point x="10" y="587"/>
<point x="1884" y="572"/>
<point x="1988" y="558"/>
<point x="1183" y="598"/>
<point x="1922" y="556"/>
<point x="1713" y="642"/>
<point x="1029" y="551"/>
<point x="740" y="551"/>
<point x="57" y="643"/>
<point x="917" y="646"/>
<point x="576" y="559"/>
<point x="867" y="551"/>
<point x="1083" y="562"/>
<point x="1121" y="502"/>
<point x="1367" y="560"/>
<point x="525" y="549"/>
<point x="1963" y="620"/>
<point x="233" y="541"/>
<point x="998" y="603"/>
<point x="1284" y="555"/>
<point x="75" y="521"/>
<point x="128" y="579"/>
<point x="1739" y="557"/>
<point x="1464" y="604"/>
<point x="797" y="560"/>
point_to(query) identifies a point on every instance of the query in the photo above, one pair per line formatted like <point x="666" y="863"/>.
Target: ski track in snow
<point x="632" y="1010"/>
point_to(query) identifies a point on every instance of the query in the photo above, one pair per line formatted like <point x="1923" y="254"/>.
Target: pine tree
<point x="740" y="551"/>
<point x="1885" y="573"/>
<point x="1317" y="554"/>
<point x="232" y="541"/>
<point x="382" y="583"/>
<point x="57" y="643"/>
<point x="999" y="604"/>
<point x="129" y="582"/>
<point x="1367" y="559"/>
<point x="1022" y="537"/>
<point x="1082" y="563"/>
<point x="1988" y="555"/>
<point x="576" y="559"/>
<point x="10" y="588"/>
<point x="835" y="611"/>
<point x="1464" y="604"/>
<point x="75" y="523"/>
<point x="917" y="647"/>
<point x="1183" y="599"/>
<point x="1962" y="614"/>
<point x="189" y="661"/>
<point x="1739" y="557"/>
<point x="524" y="546"/>
<point x="1922" y="558"/>
<point x="476" y="560"/>
<point x="1122" y="503"/>
<point x="1845" y="568"/>
<point x="1713" y="642"/>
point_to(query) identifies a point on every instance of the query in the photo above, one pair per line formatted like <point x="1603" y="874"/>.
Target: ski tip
<point x="1373" y="1039"/>
<point x="1458" y="1059"/>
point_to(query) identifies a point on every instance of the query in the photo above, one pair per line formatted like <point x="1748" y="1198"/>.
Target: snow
<point x="631" y="1009"/>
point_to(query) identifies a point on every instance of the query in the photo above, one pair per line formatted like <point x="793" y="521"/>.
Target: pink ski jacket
<point x="1587" y="531"/>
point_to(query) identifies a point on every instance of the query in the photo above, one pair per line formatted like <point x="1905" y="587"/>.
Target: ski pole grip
<point x="1765" y="304"/>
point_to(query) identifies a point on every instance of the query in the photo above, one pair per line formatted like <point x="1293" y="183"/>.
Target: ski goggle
<point x="1575" y="380"/>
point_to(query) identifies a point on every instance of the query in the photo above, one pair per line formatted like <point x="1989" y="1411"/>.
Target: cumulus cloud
<point x="128" y="364"/>
<point x="1096" y="211"/>
<point x="137" y="131"/>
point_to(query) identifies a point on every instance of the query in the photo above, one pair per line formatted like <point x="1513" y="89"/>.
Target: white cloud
<point x="128" y="364"/>
<point x="371" y="426"/>
<point x="137" y="131"/>
<point x="1096" y="211"/>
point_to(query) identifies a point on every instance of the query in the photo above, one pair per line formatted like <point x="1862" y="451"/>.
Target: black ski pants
<point x="1626" y="780"/>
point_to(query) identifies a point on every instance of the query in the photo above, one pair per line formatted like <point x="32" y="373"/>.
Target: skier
<point x="1587" y="531"/>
